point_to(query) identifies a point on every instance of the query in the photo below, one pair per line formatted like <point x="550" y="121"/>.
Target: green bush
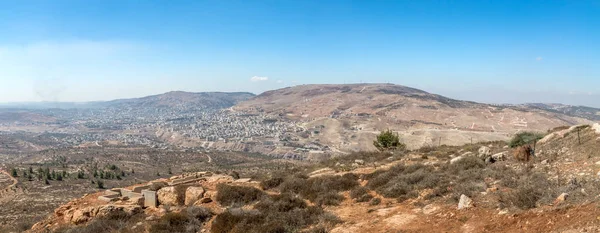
<point x="524" y="138"/>
<point x="388" y="141"/>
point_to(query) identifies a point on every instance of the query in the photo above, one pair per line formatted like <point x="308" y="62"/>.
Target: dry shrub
<point x="360" y="194"/>
<point x="404" y="182"/>
<point x="322" y="190"/>
<point x="530" y="190"/>
<point x="113" y="222"/>
<point x="367" y="157"/>
<point x="187" y="221"/>
<point x="229" y="195"/>
<point x="270" y="183"/>
<point x="277" y="213"/>
<point x="171" y="222"/>
<point x="375" y="201"/>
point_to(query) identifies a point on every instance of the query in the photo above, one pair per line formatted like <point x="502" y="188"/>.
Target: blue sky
<point x="490" y="51"/>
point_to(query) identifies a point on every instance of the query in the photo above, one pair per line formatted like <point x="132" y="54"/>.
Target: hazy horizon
<point x="487" y="98"/>
<point x="492" y="52"/>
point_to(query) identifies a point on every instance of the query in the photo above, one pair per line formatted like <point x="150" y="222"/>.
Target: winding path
<point x="15" y="181"/>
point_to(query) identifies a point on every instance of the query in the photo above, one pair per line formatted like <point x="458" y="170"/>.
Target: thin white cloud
<point x="258" y="79"/>
<point x="539" y="58"/>
<point x="279" y="81"/>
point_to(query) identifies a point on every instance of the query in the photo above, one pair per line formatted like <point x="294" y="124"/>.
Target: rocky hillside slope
<point x="443" y="189"/>
<point x="346" y="117"/>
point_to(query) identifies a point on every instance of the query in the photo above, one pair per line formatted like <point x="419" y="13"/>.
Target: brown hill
<point x="347" y="116"/>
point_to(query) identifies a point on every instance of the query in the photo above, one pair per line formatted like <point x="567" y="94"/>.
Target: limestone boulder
<point x="170" y="196"/>
<point x="465" y="202"/>
<point x="83" y="215"/>
<point x="484" y="152"/>
<point x="500" y="156"/>
<point x="208" y="197"/>
<point x="193" y="194"/>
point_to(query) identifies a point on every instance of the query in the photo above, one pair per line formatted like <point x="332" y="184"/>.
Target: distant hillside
<point x="174" y="99"/>
<point x="570" y="110"/>
<point x="338" y="114"/>
<point x="180" y="99"/>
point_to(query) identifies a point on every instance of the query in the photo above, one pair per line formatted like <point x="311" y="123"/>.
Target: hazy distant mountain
<point x="570" y="110"/>
<point x="179" y="99"/>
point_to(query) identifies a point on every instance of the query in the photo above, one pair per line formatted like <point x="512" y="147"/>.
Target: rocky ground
<point x="472" y="188"/>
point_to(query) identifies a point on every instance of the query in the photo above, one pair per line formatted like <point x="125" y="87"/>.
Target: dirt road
<point x="14" y="181"/>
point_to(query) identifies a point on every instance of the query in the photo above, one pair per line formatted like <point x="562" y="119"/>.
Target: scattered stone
<point x="492" y="189"/>
<point x="545" y="161"/>
<point x="499" y="156"/>
<point x="503" y="212"/>
<point x="454" y="160"/>
<point x="484" y="152"/>
<point x="560" y="199"/>
<point x="359" y="161"/>
<point x="465" y="202"/>
<point x="430" y="209"/>
<point x="468" y="153"/>
<point x="596" y="127"/>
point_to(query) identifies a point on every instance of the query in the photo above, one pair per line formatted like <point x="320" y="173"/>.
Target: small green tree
<point x="524" y="138"/>
<point x="14" y="172"/>
<point x="388" y="141"/>
<point x="99" y="184"/>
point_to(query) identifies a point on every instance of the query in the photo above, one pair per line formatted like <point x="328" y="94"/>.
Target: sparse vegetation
<point x="229" y="195"/>
<point x="277" y="213"/>
<point x="189" y="220"/>
<point x="323" y="190"/>
<point x="360" y="194"/>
